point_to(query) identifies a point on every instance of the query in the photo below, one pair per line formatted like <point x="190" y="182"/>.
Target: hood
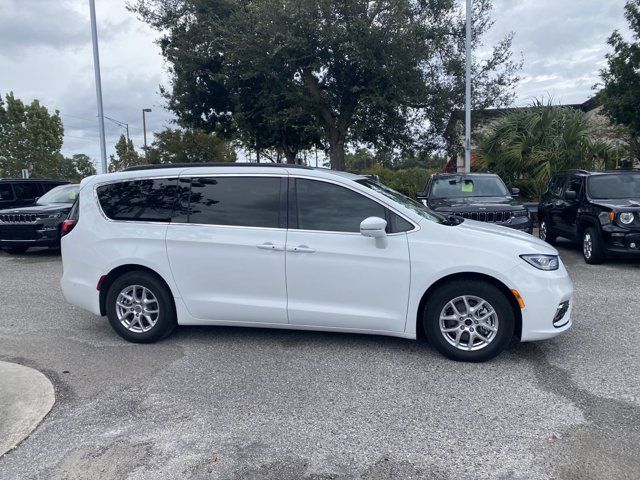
<point x="525" y="242"/>
<point x="616" y="204"/>
<point x="60" y="207"/>
<point x="475" y="204"/>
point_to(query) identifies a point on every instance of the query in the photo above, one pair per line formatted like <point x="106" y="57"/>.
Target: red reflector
<point x="67" y="226"/>
<point x="100" y="282"/>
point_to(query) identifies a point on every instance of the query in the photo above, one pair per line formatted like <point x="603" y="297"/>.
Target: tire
<point x="592" y="248"/>
<point x="16" y="250"/>
<point x="441" y="303"/>
<point x="126" y="298"/>
<point x="544" y="232"/>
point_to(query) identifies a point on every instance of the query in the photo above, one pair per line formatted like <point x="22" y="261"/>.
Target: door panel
<point x="226" y="273"/>
<point x="348" y="281"/>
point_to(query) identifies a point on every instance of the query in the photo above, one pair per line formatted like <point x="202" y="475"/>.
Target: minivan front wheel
<point x="469" y="321"/>
<point x="140" y="308"/>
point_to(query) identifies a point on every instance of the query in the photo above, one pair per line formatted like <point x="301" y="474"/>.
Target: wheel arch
<point x="584" y="222"/>
<point x="470" y="276"/>
<point x="117" y="272"/>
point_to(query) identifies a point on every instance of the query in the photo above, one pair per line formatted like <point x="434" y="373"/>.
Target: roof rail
<point x="213" y="164"/>
<point x="34" y="180"/>
<point x="574" y="170"/>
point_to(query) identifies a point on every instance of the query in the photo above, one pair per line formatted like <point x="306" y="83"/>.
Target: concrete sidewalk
<point x="26" y="396"/>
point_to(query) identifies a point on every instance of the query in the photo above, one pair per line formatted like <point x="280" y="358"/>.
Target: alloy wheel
<point x="587" y="245"/>
<point x="543" y="231"/>
<point x="469" y="323"/>
<point x="137" y="308"/>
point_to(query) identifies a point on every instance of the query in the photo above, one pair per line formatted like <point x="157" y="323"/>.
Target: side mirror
<point x="515" y="192"/>
<point x="421" y="195"/>
<point x="36" y="199"/>
<point x="374" y="227"/>
<point x="570" y="195"/>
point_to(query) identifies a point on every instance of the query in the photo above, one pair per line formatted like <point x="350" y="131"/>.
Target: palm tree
<point x="527" y="146"/>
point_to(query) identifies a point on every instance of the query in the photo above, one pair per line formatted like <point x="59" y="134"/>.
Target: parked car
<point x="600" y="211"/>
<point x="21" y="193"/>
<point x="303" y="248"/>
<point x="38" y="225"/>
<point x="476" y="196"/>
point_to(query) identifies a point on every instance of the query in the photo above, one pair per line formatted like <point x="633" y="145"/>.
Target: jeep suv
<point x="302" y="248"/>
<point x="598" y="210"/>
<point x="476" y="196"/>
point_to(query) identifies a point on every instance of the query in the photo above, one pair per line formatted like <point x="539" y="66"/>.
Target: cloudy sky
<point x="45" y="53"/>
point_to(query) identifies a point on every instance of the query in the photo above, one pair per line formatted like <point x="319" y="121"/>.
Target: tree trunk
<point x="336" y="150"/>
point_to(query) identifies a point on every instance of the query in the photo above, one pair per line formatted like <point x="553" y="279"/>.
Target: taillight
<point x="67" y="226"/>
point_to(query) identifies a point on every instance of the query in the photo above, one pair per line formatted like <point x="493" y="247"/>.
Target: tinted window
<point x="6" y="192"/>
<point x="332" y="208"/>
<point x="239" y="201"/>
<point x="555" y="187"/>
<point x="27" y="190"/>
<point x="574" y="184"/>
<point x="398" y="224"/>
<point x="48" y="186"/>
<point x="62" y="194"/>
<point x="143" y="200"/>
<point x="468" y="186"/>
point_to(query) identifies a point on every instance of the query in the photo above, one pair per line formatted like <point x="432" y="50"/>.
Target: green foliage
<point x="409" y="181"/>
<point x="527" y="146"/>
<point x="30" y="137"/>
<point x="290" y="74"/>
<point x="186" y="146"/>
<point x="621" y="77"/>
<point x="126" y="156"/>
<point x="76" y="168"/>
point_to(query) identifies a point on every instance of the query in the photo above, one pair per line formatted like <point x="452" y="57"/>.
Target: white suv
<point x="301" y="248"/>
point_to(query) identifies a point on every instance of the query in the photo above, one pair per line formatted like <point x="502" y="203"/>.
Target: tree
<point x="293" y="73"/>
<point x="186" y="146"/>
<point x="126" y="156"/>
<point x="527" y="146"/>
<point x="30" y="138"/>
<point x="76" y="168"/>
<point x="620" y="96"/>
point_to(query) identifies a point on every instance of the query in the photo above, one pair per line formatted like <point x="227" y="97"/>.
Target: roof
<point x="603" y="172"/>
<point x="46" y="180"/>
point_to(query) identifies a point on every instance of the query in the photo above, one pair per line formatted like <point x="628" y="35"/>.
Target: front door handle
<point x="301" y="249"/>
<point x="270" y="246"/>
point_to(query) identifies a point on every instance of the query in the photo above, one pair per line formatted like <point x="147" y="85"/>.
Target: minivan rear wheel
<point x="469" y="320"/>
<point x="140" y="307"/>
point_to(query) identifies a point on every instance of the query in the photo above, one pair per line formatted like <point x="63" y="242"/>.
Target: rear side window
<point x="332" y="208"/>
<point x="6" y="192"/>
<point x="151" y="200"/>
<point x="27" y="190"/>
<point x="236" y="201"/>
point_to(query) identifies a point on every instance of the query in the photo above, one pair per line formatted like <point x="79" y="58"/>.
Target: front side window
<point x="331" y="208"/>
<point x="575" y="185"/>
<point x="6" y="192"/>
<point x="149" y="200"/>
<point x="27" y="190"/>
<point x="236" y="201"/>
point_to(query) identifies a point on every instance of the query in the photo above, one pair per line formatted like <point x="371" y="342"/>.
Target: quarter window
<point x="555" y="187"/>
<point x="6" y="192"/>
<point x="332" y="208"/>
<point x="27" y="190"/>
<point x="151" y="200"/>
<point x="236" y="201"/>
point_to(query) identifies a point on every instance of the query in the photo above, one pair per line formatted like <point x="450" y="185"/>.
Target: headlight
<point x="626" y="218"/>
<point x="542" y="262"/>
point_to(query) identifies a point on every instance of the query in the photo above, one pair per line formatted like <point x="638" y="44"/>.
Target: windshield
<point x="474" y="186"/>
<point x="61" y="194"/>
<point x="615" y="185"/>
<point x="403" y="200"/>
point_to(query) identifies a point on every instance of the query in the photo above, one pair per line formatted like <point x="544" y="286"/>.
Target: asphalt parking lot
<point x="241" y="403"/>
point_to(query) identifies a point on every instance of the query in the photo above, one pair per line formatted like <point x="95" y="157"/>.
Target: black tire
<point x="593" y="254"/>
<point x="544" y="232"/>
<point x="448" y="292"/>
<point x="165" y="320"/>
<point x="16" y="250"/>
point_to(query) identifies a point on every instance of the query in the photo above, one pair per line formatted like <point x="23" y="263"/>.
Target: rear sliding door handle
<point x="300" y="249"/>
<point x="271" y="246"/>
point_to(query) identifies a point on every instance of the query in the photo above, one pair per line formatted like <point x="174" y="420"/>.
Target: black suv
<point x="476" y="196"/>
<point x="38" y="225"/>
<point x="20" y="192"/>
<point x="599" y="210"/>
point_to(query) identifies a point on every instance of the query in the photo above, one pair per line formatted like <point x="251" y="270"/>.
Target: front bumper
<point x="543" y="292"/>
<point x="621" y="241"/>
<point x="29" y="235"/>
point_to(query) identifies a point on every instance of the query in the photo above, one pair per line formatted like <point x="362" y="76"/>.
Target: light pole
<point x="96" y="67"/>
<point x="467" y="134"/>
<point x="120" y="124"/>
<point x="144" y="129"/>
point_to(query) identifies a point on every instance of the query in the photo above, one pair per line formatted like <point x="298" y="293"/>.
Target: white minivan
<point x="302" y="248"/>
